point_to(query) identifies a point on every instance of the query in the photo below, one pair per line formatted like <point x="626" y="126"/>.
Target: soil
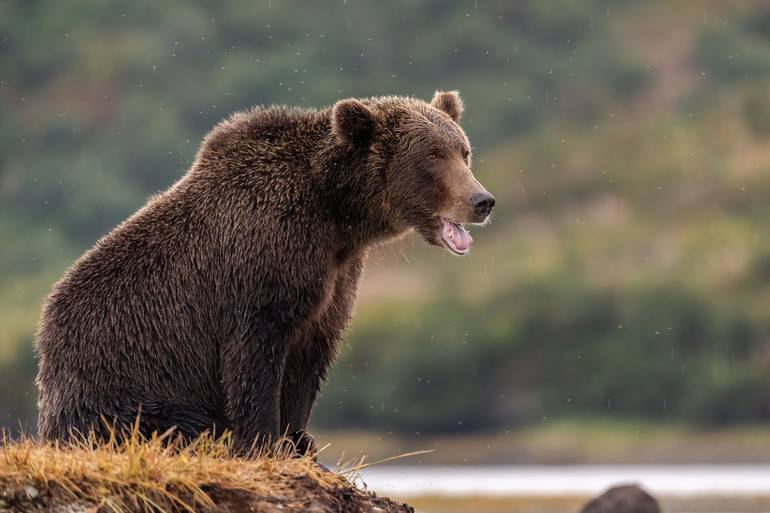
<point x="308" y="497"/>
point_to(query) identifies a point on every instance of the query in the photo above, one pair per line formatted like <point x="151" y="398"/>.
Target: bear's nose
<point x="482" y="203"/>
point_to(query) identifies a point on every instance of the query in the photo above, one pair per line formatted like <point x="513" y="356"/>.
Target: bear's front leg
<point x="252" y="370"/>
<point x="305" y="370"/>
<point x="311" y="356"/>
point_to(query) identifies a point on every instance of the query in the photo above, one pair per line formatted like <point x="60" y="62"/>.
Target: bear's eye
<point x="466" y="155"/>
<point x="432" y="155"/>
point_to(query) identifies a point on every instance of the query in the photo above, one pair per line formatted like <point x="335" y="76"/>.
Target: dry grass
<point x="130" y="473"/>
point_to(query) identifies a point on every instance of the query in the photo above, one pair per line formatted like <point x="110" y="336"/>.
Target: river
<point x="410" y="481"/>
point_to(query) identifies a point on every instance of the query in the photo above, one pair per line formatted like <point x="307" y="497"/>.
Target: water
<point x="587" y="480"/>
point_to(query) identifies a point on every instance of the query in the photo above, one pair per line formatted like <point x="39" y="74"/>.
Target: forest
<point x="626" y="273"/>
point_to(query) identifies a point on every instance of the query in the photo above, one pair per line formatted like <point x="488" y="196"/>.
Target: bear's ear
<point x="449" y="102"/>
<point x="353" y="122"/>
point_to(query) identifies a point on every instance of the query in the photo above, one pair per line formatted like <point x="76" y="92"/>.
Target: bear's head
<point x="422" y="159"/>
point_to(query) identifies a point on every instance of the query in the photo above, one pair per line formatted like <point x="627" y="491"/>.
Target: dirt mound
<point x="155" y="476"/>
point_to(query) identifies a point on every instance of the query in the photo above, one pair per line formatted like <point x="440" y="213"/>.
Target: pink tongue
<point x="460" y="238"/>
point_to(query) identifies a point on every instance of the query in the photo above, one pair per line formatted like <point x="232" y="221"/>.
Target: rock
<point x="623" y="499"/>
<point x="32" y="492"/>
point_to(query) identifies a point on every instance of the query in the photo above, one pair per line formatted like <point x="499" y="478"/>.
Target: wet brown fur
<point x="219" y="303"/>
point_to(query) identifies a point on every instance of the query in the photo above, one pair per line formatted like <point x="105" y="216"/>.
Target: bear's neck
<point x="354" y="196"/>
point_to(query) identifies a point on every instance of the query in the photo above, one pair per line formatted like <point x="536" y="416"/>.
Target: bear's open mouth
<point x="455" y="237"/>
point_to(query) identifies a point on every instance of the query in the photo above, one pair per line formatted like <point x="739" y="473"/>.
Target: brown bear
<point x="219" y="304"/>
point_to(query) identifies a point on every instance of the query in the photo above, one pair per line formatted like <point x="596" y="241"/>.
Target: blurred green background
<point x="624" y="278"/>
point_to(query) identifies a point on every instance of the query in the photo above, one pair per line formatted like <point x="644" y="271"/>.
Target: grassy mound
<point x="138" y="475"/>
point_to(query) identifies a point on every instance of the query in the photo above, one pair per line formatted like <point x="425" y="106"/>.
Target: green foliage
<point x="756" y="106"/>
<point x="737" y="50"/>
<point x="550" y="350"/>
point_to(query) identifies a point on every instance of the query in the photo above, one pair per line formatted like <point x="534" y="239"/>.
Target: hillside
<point x="625" y="274"/>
